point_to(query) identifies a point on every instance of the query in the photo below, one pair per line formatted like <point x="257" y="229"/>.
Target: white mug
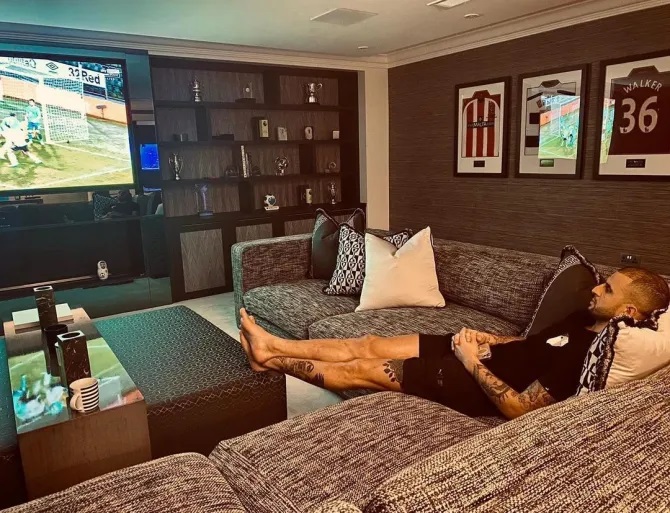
<point x="85" y="395"/>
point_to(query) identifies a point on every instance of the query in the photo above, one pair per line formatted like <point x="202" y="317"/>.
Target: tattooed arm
<point x="511" y="403"/>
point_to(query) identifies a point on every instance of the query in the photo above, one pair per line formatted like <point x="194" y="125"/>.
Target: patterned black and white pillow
<point x="325" y="241"/>
<point x="349" y="274"/>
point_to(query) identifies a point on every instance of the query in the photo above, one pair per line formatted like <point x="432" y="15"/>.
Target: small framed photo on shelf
<point x="261" y="128"/>
<point x="309" y="133"/>
<point x="635" y="118"/>
<point x="336" y="134"/>
<point x="482" y="120"/>
<point x="282" y="133"/>
<point x="551" y="123"/>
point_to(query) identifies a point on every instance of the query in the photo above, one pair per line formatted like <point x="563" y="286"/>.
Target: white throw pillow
<point x="400" y="277"/>
<point x="639" y="352"/>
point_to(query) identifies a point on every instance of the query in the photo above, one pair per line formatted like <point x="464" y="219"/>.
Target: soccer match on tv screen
<point x="63" y="124"/>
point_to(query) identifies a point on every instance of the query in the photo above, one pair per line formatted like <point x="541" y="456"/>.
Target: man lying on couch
<point x="520" y="375"/>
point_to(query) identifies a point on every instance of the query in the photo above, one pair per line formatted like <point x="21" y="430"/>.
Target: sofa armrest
<point x="268" y="262"/>
<point x="181" y="483"/>
<point x="337" y="507"/>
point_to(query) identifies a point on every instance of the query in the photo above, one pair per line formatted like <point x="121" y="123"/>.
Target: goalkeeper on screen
<point x="34" y="121"/>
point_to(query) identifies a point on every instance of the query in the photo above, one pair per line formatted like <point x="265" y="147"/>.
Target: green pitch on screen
<point x="559" y="136"/>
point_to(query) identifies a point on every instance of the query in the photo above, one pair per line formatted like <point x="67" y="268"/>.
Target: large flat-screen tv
<point x="63" y="124"/>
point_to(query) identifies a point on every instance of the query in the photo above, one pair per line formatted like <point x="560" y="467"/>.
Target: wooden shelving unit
<point x="257" y="142"/>
<point x="250" y="106"/>
<point x="236" y="201"/>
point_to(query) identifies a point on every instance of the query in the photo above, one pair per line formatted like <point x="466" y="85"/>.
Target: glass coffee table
<point x="61" y="447"/>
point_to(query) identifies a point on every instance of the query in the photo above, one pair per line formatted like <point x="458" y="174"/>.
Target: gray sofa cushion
<point x="185" y="483"/>
<point x="601" y="452"/>
<point x="501" y="282"/>
<point x="294" y="306"/>
<point x="342" y="452"/>
<point x="402" y="321"/>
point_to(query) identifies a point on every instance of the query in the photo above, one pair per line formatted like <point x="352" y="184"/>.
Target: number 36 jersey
<point x="641" y="122"/>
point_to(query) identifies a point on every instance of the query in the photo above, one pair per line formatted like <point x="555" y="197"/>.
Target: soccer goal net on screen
<point x="61" y="101"/>
<point x="561" y="113"/>
<point x="63" y="110"/>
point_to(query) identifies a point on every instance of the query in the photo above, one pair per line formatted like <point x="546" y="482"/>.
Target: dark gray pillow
<point x="325" y="241"/>
<point x="568" y="291"/>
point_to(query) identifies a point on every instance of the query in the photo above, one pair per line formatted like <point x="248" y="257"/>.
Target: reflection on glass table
<point x="40" y="400"/>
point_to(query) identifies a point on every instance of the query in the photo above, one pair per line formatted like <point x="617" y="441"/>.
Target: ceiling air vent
<point x="343" y="17"/>
<point x="446" y="4"/>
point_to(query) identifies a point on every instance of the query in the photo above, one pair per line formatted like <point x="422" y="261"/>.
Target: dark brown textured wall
<point x="601" y="218"/>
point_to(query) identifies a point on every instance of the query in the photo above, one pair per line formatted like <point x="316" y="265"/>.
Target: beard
<point x="601" y="312"/>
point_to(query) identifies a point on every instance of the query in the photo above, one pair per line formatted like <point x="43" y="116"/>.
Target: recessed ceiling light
<point x="363" y="47"/>
<point x="472" y="16"/>
<point x="446" y="4"/>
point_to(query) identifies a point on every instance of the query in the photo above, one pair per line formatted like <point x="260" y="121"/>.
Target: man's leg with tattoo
<point x="265" y="346"/>
<point x="378" y="374"/>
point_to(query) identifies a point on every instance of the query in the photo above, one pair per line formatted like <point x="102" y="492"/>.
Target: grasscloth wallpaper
<point x="603" y="219"/>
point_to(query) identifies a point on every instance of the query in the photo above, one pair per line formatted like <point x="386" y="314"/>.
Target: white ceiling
<point x="286" y="25"/>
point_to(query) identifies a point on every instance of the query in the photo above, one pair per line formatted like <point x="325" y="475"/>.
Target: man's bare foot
<point x="261" y="343"/>
<point x="255" y="366"/>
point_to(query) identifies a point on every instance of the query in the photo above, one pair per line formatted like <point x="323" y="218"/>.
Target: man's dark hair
<point x="31" y="100"/>
<point x="647" y="291"/>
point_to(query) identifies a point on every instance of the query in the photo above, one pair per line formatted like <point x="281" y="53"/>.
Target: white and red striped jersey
<point x="481" y="125"/>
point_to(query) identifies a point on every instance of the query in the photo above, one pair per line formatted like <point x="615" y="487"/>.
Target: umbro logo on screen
<point x="52" y="66"/>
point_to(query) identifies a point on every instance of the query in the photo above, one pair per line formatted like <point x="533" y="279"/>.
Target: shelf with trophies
<point x="251" y="149"/>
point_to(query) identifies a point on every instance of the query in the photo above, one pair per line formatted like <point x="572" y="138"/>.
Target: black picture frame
<point x="583" y="111"/>
<point x="504" y="154"/>
<point x="601" y="100"/>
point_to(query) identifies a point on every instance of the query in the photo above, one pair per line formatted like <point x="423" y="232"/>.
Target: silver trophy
<point x="196" y="90"/>
<point x="311" y="88"/>
<point x="282" y="164"/>
<point x="202" y="200"/>
<point x="333" y="193"/>
<point x="176" y="165"/>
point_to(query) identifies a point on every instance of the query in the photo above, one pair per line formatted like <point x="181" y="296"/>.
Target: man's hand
<point x="487" y="338"/>
<point x="466" y="348"/>
<point x="479" y="337"/>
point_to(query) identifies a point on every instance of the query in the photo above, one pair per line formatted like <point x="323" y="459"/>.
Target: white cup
<point x="85" y="395"/>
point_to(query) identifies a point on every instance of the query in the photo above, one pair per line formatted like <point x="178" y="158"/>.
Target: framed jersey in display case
<point x="551" y="132"/>
<point x="482" y="128"/>
<point x="635" y="120"/>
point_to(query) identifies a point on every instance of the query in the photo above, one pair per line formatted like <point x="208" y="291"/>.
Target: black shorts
<point x="437" y="375"/>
